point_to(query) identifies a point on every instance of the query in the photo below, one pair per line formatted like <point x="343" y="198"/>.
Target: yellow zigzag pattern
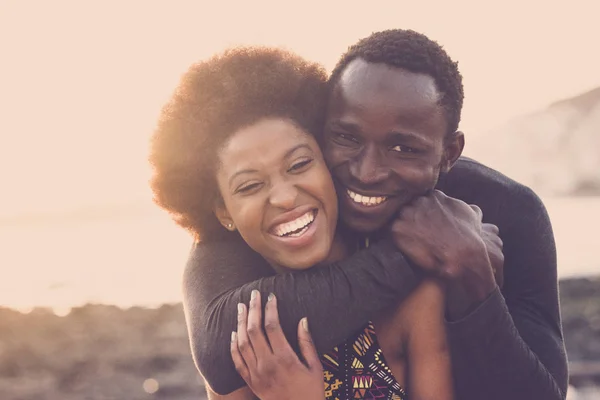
<point x="364" y="341"/>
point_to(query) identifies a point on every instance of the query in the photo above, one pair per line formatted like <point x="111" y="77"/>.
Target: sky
<point x="81" y="83"/>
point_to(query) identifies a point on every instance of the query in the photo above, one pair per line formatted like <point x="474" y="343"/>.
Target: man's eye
<point x="403" y="149"/>
<point x="345" y="138"/>
<point x="247" y="188"/>
<point x="300" y="165"/>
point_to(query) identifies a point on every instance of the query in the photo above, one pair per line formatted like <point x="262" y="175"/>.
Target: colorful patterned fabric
<point x="357" y="370"/>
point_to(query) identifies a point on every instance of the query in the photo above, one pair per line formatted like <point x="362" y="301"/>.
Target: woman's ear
<point x="453" y="148"/>
<point x="223" y="215"/>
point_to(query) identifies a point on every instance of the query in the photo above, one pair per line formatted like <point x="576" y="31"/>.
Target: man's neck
<point x="356" y="241"/>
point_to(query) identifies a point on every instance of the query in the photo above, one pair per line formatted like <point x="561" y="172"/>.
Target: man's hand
<point x="445" y="237"/>
<point x="494" y="246"/>
<point x="268" y="363"/>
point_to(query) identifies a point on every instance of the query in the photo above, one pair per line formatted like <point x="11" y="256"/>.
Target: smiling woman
<point x="277" y="192"/>
<point x="246" y="94"/>
<point x="234" y="153"/>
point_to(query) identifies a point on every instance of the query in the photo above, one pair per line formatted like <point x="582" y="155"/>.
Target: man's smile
<point x="364" y="199"/>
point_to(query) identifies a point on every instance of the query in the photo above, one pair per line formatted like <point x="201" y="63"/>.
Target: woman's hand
<point x="268" y="364"/>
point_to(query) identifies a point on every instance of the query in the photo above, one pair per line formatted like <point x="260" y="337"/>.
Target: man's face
<point x="384" y="141"/>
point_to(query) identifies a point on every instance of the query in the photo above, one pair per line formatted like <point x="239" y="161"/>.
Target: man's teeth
<point x="300" y="224"/>
<point x="366" y="200"/>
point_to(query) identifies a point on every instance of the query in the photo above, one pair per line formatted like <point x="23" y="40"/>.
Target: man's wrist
<point x="387" y="245"/>
<point x="466" y="291"/>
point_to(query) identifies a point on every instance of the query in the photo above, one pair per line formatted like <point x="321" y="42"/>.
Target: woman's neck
<point x="337" y="252"/>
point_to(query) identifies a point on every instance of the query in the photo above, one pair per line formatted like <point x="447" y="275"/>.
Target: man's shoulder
<point x="468" y="170"/>
<point x="471" y="175"/>
<point x="476" y="183"/>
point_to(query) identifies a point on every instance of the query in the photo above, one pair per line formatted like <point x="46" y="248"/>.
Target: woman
<point x="240" y="131"/>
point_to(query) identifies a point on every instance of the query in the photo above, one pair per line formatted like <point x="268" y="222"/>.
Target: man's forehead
<point x="362" y="80"/>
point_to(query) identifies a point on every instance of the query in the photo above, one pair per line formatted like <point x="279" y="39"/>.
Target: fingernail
<point x="271" y="297"/>
<point x="240" y="308"/>
<point x="233" y="336"/>
<point x="305" y="323"/>
<point x="253" y="294"/>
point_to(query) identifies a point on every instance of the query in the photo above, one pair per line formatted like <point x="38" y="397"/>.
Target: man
<point x="390" y="138"/>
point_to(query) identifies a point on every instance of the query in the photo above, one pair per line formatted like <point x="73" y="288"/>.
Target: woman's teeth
<point x="365" y="200"/>
<point x="296" y="227"/>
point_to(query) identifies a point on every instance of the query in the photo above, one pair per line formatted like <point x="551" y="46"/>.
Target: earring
<point x="230" y="226"/>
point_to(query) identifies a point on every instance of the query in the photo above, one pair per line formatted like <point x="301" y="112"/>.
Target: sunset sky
<point x="81" y="85"/>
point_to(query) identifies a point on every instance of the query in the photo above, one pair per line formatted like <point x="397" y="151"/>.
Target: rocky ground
<point x="97" y="352"/>
<point x="103" y="352"/>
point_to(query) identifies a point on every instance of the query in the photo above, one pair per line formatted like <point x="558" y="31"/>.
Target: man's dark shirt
<point x="509" y="347"/>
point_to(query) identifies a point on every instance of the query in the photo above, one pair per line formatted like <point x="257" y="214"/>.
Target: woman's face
<point x="278" y="193"/>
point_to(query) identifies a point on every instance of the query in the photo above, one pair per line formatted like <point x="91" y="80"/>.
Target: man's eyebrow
<point x="395" y="135"/>
<point x="348" y="126"/>
<point x="409" y="136"/>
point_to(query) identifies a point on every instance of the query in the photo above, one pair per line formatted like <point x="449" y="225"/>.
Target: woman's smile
<point x="278" y="193"/>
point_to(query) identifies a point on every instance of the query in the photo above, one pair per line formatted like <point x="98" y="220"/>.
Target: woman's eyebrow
<point x="296" y="148"/>
<point x="241" y="172"/>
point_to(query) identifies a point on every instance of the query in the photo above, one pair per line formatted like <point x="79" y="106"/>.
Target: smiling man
<point x="390" y="139"/>
<point x="387" y="139"/>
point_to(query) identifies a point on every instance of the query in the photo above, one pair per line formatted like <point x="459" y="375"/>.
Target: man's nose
<point x="368" y="167"/>
<point x="283" y="195"/>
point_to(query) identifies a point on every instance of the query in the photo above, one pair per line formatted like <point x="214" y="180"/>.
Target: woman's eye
<point x="247" y="188"/>
<point x="298" y="166"/>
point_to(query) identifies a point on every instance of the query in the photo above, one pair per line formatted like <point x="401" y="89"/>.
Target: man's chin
<point x="363" y="225"/>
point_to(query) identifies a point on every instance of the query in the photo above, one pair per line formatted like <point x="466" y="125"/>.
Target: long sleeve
<point x="337" y="299"/>
<point x="511" y="346"/>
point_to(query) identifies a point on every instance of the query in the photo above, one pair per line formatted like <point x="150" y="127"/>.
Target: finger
<point x="496" y="241"/>
<point x="491" y="228"/>
<point x="256" y="334"/>
<point x="439" y="194"/>
<point x="477" y="210"/>
<point x="238" y="360"/>
<point x="243" y="341"/>
<point x="307" y="347"/>
<point x="491" y="237"/>
<point x="277" y="339"/>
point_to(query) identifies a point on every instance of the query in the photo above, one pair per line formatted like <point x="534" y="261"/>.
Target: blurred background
<point x="90" y="269"/>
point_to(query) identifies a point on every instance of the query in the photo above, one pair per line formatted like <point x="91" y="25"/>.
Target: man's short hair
<point x="414" y="52"/>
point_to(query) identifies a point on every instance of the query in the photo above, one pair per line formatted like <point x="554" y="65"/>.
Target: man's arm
<point x="337" y="299"/>
<point x="511" y="345"/>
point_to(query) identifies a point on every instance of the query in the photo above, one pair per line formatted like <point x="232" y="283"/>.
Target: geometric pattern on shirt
<point x="356" y="370"/>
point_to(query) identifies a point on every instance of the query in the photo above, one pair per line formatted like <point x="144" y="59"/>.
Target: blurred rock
<point x="104" y="352"/>
<point x="555" y="151"/>
<point x="97" y="352"/>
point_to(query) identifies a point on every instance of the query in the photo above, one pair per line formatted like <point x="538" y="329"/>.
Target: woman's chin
<point x="297" y="262"/>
